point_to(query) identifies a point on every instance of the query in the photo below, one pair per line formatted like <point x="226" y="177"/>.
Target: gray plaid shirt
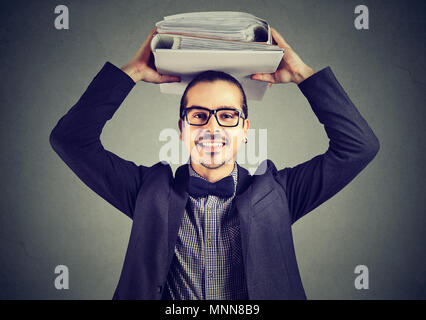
<point x="208" y="261"/>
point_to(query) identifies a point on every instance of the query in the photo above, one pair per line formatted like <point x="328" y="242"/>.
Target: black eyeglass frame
<point x="184" y="115"/>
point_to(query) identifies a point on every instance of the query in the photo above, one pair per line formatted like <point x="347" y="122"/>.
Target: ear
<point x="246" y="127"/>
<point x="180" y="129"/>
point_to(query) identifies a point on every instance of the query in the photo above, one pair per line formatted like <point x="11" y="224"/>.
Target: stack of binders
<point x="234" y="42"/>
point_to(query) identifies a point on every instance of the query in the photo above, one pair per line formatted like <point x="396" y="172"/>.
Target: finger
<point x="279" y="39"/>
<point x="147" y="42"/>
<point x="167" y="78"/>
<point x="151" y="35"/>
<point x="144" y="52"/>
<point x="153" y="32"/>
<point x="266" y="77"/>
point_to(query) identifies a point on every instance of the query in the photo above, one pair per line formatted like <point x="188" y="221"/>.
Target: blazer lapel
<point x="177" y="202"/>
<point x="244" y="179"/>
<point x="242" y="204"/>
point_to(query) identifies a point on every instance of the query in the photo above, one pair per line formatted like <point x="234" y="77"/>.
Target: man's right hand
<point x="142" y="66"/>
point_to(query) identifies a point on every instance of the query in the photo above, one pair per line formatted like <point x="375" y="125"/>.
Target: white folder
<point x="187" y="63"/>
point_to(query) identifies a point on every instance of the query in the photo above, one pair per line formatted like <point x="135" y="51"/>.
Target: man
<point x="212" y="231"/>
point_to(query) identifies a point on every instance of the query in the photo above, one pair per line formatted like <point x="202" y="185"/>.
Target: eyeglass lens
<point x="224" y="117"/>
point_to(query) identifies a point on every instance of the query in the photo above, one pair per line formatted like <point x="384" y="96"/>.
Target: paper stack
<point x="234" y="42"/>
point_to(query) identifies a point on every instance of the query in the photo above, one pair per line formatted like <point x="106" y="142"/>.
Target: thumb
<point x="266" y="77"/>
<point x="167" y="78"/>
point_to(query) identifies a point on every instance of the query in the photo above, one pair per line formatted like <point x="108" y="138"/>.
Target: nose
<point x="212" y="125"/>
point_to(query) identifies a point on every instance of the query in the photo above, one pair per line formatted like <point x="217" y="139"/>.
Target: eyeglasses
<point x="225" y="117"/>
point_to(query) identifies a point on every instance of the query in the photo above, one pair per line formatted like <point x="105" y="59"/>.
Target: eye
<point x="228" y="115"/>
<point x="199" y="115"/>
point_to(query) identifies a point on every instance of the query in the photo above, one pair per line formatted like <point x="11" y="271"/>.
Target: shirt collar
<point x="234" y="174"/>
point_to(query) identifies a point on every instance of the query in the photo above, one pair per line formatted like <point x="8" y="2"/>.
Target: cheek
<point x="189" y="135"/>
<point x="186" y="136"/>
<point x="235" y="137"/>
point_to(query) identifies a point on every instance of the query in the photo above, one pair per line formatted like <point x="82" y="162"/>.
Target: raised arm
<point x="76" y="137"/>
<point x="352" y="142"/>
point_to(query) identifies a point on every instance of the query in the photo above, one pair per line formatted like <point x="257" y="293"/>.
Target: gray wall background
<point x="49" y="217"/>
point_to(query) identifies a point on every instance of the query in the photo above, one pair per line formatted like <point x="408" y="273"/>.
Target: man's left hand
<point x="291" y="67"/>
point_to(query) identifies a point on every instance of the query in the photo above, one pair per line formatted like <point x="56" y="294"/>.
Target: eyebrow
<point x="230" y="107"/>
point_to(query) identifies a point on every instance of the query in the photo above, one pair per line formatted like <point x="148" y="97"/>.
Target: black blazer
<point x="268" y="203"/>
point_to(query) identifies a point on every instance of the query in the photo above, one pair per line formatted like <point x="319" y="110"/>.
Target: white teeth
<point x="210" y="145"/>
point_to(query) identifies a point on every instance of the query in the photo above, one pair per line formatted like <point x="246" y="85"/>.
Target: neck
<point x="213" y="175"/>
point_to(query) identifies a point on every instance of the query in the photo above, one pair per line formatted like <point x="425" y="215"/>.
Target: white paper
<point x="181" y="48"/>
<point x="240" y="64"/>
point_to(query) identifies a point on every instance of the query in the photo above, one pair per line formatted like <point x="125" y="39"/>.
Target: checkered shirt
<point x="208" y="261"/>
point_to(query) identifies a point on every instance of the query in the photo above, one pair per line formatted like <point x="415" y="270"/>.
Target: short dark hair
<point x="211" y="76"/>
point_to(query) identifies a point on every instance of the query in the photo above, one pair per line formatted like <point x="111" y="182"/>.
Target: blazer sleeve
<point x="352" y="146"/>
<point x="76" y="139"/>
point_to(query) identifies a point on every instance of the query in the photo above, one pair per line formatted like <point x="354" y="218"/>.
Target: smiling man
<point x="212" y="231"/>
<point x="213" y="123"/>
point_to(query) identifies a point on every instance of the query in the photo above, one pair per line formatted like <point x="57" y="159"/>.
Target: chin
<point x="212" y="166"/>
<point x="216" y="161"/>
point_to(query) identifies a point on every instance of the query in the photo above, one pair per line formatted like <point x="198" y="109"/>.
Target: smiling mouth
<point x="211" y="146"/>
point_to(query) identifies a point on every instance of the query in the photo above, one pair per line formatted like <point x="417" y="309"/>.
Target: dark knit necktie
<point x="200" y="188"/>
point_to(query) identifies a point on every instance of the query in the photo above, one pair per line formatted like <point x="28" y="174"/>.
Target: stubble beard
<point x="208" y="166"/>
<point x="212" y="165"/>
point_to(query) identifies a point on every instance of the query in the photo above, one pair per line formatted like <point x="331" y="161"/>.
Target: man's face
<point x="212" y="145"/>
